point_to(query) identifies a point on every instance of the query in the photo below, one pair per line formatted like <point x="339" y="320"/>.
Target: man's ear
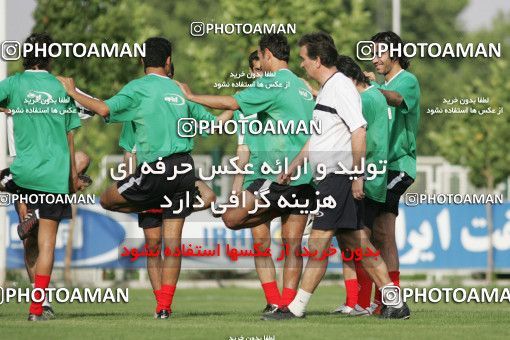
<point x="267" y="54"/>
<point x="168" y="62"/>
<point x="318" y="62"/>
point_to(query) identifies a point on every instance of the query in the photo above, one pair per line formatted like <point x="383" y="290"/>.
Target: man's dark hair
<point x="391" y="38"/>
<point x="277" y="44"/>
<point x="350" y="69"/>
<point x="31" y="60"/>
<point x="253" y="56"/>
<point x="320" y="45"/>
<point x="157" y="50"/>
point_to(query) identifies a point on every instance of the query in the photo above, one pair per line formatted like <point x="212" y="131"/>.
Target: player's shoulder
<point x="267" y="78"/>
<point x="408" y="77"/>
<point x="338" y="86"/>
<point x="137" y="81"/>
<point x="373" y="93"/>
<point x="16" y="77"/>
<point x="338" y="81"/>
<point x="373" y="97"/>
<point x="43" y="78"/>
<point x="141" y="84"/>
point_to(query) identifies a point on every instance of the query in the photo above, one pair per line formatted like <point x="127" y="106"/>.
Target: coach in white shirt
<point x="338" y="107"/>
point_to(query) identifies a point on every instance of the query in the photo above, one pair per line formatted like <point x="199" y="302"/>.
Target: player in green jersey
<point x="375" y="111"/>
<point x="151" y="220"/>
<point x="278" y="96"/>
<point x="261" y="234"/>
<point x="402" y="92"/>
<point x="153" y="105"/>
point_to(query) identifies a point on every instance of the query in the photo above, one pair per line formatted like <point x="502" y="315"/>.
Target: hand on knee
<point x="208" y="199"/>
<point x="105" y="203"/>
<point x="263" y="243"/>
<point x="153" y="243"/>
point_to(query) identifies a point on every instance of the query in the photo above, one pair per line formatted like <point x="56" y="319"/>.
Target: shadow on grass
<point x="186" y="314"/>
<point x="64" y="316"/>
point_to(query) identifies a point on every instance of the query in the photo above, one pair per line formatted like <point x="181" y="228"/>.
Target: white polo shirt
<point x="338" y="107"/>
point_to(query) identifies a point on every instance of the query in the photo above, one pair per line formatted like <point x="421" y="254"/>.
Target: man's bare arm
<point x="73" y="174"/>
<point x="392" y="98"/>
<point x="91" y="104"/>
<point x="130" y="161"/>
<point x="225" y="116"/>
<point x="243" y="152"/>
<point x="213" y="102"/>
<point x="284" y="178"/>
<point x="358" y="143"/>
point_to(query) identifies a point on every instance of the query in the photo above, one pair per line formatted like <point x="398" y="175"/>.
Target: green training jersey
<point x="155" y="104"/>
<point x="375" y="111"/>
<point x="127" y="134"/>
<point x="127" y="137"/>
<point x="43" y="114"/>
<point x="283" y="97"/>
<point x="404" y="123"/>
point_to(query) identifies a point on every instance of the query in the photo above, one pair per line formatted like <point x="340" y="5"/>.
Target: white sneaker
<point x="360" y="311"/>
<point x="343" y="309"/>
<point x="309" y="224"/>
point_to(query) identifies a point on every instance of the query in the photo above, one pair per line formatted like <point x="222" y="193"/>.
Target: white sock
<point x="389" y="295"/>
<point x="46" y="303"/>
<point x="298" y="305"/>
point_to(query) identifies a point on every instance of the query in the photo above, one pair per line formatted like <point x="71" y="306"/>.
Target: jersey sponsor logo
<point x="305" y="94"/>
<point x="174" y="99"/>
<point x="34" y="97"/>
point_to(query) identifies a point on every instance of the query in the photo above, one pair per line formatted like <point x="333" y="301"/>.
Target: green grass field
<point x="221" y="313"/>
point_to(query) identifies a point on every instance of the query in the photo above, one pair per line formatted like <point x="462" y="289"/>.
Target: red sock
<point x="159" y="300"/>
<point x="272" y="293"/>
<point x="288" y="294"/>
<point x="395" y="277"/>
<point x="40" y="281"/>
<point x="351" y="288"/>
<point x="154" y="211"/>
<point x="365" y="286"/>
<point x="167" y="294"/>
